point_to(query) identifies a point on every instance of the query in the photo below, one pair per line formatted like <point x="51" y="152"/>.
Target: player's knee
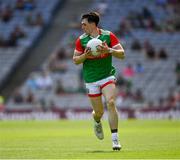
<point x="111" y="103"/>
<point x="99" y="113"/>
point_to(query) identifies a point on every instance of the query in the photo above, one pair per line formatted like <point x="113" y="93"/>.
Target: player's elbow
<point x="75" y="61"/>
<point x="122" y="55"/>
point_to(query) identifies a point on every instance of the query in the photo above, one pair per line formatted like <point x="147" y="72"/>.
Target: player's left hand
<point x="103" y="49"/>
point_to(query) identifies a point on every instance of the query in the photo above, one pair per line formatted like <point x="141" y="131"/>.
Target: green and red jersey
<point x="97" y="68"/>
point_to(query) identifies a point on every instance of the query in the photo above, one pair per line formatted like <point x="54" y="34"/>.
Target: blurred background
<point x="38" y="79"/>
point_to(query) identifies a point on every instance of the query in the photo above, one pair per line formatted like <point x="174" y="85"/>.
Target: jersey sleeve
<point x="114" y="40"/>
<point x="78" y="46"/>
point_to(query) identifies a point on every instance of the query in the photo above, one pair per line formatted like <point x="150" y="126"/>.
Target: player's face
<point x="86" y="26"/>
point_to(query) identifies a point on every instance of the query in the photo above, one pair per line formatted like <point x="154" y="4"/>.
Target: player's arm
<point x="79" y="57"/>
<point x="115" y="48"/>
<point x="80" y="54"/>
<point x="117" y="51"/>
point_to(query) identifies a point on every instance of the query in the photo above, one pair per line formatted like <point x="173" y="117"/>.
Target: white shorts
<point x="94" y="88"/>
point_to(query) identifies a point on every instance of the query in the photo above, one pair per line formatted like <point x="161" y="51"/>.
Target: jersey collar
<point x="99" y="33"/>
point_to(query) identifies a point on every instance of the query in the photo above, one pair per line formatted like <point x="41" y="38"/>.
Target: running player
<point x="98" y="72"/>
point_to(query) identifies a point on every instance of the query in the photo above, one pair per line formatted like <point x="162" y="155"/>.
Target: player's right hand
<point x="88" y="52"/>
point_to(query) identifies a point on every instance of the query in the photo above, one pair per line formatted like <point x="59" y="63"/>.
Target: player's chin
<point x="86" y="32"/>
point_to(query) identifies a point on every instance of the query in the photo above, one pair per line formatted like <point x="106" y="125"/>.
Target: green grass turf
<point x="75" y="140"/>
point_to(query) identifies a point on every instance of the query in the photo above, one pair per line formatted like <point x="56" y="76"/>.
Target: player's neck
<point x="95" y="32"/>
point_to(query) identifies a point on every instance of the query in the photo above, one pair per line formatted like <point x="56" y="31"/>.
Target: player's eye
<point x="83" y="24"/>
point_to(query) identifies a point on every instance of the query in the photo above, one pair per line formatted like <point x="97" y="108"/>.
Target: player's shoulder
<point x="105" y="32"/>
<point x="84" y="35"/>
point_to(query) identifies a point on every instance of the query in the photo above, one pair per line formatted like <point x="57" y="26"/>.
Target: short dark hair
<point x="91" y="17"/>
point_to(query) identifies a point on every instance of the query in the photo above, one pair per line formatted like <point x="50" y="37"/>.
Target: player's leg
<point x="94" y="94"/>
<point x="109" y="92"/>
<point x="110" y="96"/>
<point x="98" y="109"/>
<point x="97" y="113"/>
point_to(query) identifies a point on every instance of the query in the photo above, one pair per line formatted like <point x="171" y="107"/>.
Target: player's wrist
<point x="85" y="55"/>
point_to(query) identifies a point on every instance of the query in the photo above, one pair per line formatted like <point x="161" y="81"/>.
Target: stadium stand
<point x="21" y="24"/>
<point x="148" y="77"/>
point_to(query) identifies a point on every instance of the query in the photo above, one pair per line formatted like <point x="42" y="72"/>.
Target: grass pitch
<point x="141" y="139"/>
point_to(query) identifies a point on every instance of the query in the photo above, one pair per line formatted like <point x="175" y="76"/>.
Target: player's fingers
<point x="104" y="43"/>
<point x="88" y="49"/>
<point x="104" y="46"/>
<point x="99" y="47"/>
